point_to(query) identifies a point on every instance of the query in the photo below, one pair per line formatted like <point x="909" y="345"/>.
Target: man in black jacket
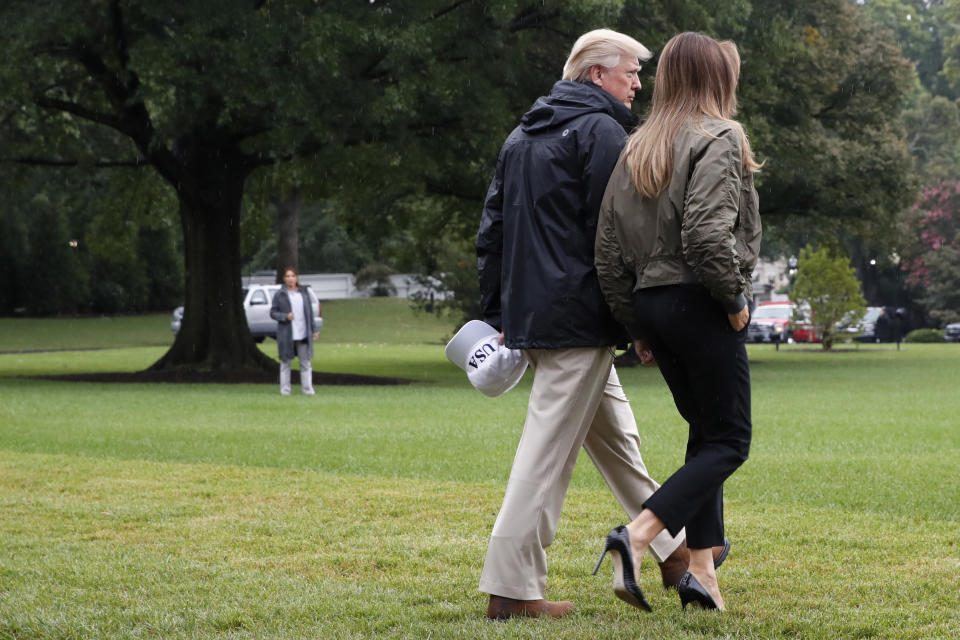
<point x="539" y="287"/>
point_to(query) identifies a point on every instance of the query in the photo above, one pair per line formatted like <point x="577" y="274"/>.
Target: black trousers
<point x="704" y="362"/>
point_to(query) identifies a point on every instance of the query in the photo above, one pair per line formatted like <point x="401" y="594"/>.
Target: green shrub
<point x="925" y="335"/>
<point x="374" y="279"/>
<point x="828" y="285"/>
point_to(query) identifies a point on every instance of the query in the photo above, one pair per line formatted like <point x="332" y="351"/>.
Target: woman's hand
<point x="739" y="320"/>
<point x="644" y="353"/>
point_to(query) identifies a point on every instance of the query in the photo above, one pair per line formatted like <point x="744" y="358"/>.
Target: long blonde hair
<point x="696" y="77"/>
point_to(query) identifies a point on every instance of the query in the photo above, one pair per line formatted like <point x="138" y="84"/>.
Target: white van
<point x="257" y="299"/>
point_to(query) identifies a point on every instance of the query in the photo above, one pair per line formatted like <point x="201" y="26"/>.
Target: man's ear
<point x="595" y="75"/>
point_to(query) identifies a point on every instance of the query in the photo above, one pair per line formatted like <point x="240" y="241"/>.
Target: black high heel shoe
<point x="723" y="554"/>
<point x="624" y="577"/>
<point x="691" y="590"/>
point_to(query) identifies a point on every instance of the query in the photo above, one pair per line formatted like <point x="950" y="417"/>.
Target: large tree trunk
<point x="288" y="223"/>
<point x="214" y="335"/>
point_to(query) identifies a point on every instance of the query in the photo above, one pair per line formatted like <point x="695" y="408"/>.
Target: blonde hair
<point x="696" y="77"/>
<point x="600" y="47"/>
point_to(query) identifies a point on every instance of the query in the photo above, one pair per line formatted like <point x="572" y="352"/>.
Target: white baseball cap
<point x="491" y="367"/>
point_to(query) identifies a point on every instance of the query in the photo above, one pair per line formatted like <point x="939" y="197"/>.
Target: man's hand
<point x="739" y="320"/>
<point x="644" y="352"/>
<point x="500" y="338"/>
<point x="290" y="316"/>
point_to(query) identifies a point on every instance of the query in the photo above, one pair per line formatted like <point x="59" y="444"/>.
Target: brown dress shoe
<point x="501" y="608"/>
<point x="673" y="568"/>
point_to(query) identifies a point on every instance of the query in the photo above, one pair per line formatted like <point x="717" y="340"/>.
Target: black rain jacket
<point x="535" y="247"/>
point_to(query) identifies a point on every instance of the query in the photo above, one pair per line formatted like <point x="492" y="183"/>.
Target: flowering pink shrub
<point x="932" y="224"/>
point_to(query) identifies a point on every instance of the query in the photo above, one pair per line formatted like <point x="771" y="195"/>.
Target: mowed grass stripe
<point x="360" y="320"/>
<point x="875" y="431"/>
<point x="29" y="334"/>
<point x="133" y="549"/>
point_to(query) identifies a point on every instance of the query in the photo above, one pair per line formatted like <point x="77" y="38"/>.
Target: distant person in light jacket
<point x="295" y="331"/>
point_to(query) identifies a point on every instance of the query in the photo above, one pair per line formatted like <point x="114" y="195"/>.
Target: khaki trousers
<point x="576" y="401"/>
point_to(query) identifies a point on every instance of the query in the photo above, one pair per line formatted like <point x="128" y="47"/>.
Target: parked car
<point x="256" y="304"/>
<point x="951" y="332"/>
<point x="863" y="330"/>
<point x="803" y="329"/>
<point x="177" y="320"/>
<point x="771" y="322"/>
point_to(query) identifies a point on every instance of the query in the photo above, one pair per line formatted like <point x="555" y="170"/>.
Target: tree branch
<point x="453" y="7"/>
<point x="369" y="71"/>
<point x="54" y="162"/>
<point x="131" y="116"/>
<point x="81" y="112"/>
<point x="530" y="19"/>
<point x="443" y="190"/>
<point x="121" y="47"/>
<point x="237" y="137"/>
<point x="81" y="52"/>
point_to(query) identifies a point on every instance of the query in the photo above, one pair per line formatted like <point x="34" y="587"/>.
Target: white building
<point x="768" y="278"/>
<point x="336" y="286"/>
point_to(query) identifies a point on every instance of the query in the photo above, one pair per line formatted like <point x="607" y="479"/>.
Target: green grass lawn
<point x="228" y="511"/>
<point x="32" y="334"/>
<point x="372" y="320"/>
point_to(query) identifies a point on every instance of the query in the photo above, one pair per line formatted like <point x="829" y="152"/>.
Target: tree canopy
<point x="821" y="90"/>
<point x="381" y="104"/>
<point x="388" y="116"/>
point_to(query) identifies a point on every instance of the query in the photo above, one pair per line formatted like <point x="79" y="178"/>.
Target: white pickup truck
<point x="257" y="299"/>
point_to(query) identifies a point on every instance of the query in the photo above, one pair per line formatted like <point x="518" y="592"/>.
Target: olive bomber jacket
<point x="704" y="227"/>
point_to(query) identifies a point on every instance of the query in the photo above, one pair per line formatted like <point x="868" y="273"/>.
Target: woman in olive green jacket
<point x="677" y="240"/>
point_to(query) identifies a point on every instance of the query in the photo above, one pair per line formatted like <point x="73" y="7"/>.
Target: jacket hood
<point x="569" y="100"/>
